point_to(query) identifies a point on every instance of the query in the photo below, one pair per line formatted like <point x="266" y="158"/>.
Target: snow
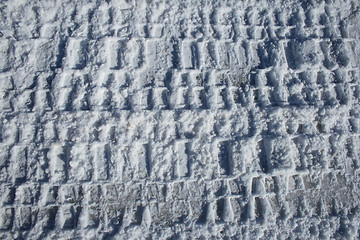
<point x="164" y="119"/>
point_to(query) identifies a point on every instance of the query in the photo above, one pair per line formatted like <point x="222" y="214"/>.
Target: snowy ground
<point x="179" y="119"/>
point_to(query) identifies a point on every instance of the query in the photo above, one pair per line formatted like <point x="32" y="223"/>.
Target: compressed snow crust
<point x="179" y="119"/>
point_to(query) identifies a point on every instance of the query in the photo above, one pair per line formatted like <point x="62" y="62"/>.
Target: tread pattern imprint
<point x="179" y="119"/>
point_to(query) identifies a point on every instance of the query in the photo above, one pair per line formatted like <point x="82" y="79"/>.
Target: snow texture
<point x="160" y="119"/>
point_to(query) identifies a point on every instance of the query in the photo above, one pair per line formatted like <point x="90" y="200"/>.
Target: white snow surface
<point x="161" y="119"/>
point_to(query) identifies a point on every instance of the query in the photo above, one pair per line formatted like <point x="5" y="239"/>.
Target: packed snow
<point x="160" y="119"/>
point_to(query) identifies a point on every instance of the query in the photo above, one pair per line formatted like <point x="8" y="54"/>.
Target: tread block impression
<point x="68" y="217"/>
<point x="191" y="57"/>
<point x="5" y="55"/>
<point x="6" y="218"/>
<point x="19" y="163"/>
<point x="77" y="54"/>
<point x="101" y="157"/>
<point x="80" y="163"/>
<point x="58" y="158"/>
<point x="280" y="154"/>
<point x="44" y="55"/>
